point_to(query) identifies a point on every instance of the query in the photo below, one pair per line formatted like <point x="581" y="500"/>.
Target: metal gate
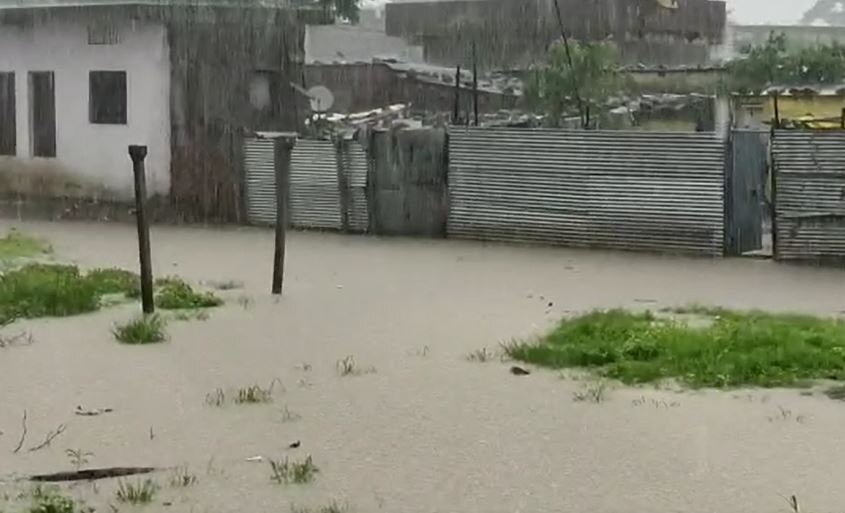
<point x="315" y="199"/>
<point x="809" y="194"/>
<point x="746" y="191"/>
<point x="627" y="190"/>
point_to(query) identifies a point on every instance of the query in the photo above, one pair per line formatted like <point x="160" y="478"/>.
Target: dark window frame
<point x="42" y="113"/>
<point x="108" y="97"/>
<point x="8" y="114"/>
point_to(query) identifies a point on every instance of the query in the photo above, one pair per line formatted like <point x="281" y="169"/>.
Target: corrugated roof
<point x="49" y="4"/>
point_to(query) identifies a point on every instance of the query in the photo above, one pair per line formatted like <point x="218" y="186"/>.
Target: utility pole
<point x="569" y="61"/>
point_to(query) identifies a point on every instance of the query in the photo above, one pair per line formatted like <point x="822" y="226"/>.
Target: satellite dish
<point x="321" y="98"/>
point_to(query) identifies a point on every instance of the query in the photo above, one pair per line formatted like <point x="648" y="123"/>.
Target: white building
<point x="80" y="81"/>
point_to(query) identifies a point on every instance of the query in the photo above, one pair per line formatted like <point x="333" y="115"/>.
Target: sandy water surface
<point x="428" y="431"/>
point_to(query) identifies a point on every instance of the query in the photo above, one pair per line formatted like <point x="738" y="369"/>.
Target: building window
<point x="8" y="126"/>
<point x="42" y="113"/>
<point x="107" y="99"/>
<point x="101" y="34"/>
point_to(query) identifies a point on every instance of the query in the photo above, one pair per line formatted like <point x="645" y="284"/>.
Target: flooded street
<point x="427" y="431"/>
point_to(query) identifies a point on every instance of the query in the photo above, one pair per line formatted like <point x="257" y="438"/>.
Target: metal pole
<point x="578" y="99"/>
<point x="138" y="154"/>
<point x="456" y="115"/>
<point x="282" y="151"/>
<point x="474" y="84"/>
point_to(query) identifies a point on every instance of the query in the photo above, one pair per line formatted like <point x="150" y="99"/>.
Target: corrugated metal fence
<point x="809" y="192"/>
<point x="628" y="190"/>
<point x="327" y="184"/>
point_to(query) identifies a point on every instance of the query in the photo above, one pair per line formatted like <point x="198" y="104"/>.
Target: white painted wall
<point x="91" y="151"/>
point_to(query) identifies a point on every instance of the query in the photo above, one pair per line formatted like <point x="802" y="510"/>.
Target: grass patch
<point x="50" y="500"/>
<point x="216" y="398"/>
<point x="19" y="245"/>
<point x="145" y="329"/>
<point x="288" y="471"/>
<point x="54" y="290"/>
<point x="175" y="294"/>
<point x="332" y="507"/>
<point x="114" y="281"/>
<point x="734" y="349"/>
<point x="181" y="477"/>
<point x="40" y="290"/>
<point x="482" y="355"/>
<point x="138" y="492"/>
<point x="255" y="394"/>
<point x="592" y="393"/>
<point x="348" y="367"/>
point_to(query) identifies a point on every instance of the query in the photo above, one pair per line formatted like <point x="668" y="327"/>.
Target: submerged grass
<point x="145" y="329"/>
<point x="733" y="349"/>
<point x="175" y="294"/>
<point x="19" y="245"/>
<point x="55" y="290"/>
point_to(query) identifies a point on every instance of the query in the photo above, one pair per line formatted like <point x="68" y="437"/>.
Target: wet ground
<point x="428" y="431"/>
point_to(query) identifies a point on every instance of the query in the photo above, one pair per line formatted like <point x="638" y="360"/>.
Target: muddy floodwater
<point x="423" y="430"/>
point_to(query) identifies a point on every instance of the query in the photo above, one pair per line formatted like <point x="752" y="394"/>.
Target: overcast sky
<point x="764" y="12"/>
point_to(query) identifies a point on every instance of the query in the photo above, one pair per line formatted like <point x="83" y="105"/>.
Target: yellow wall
<point x="756" y="111"/>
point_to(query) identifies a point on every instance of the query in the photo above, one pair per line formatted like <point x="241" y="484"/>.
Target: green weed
<point x="175" y="294"/>
<point x="255" y="394"/>
<point x="50" y="500"/>
<point x="46" y="290"/>
<point x="145" y="329"/>
<point x="181" y="477"/>
<point x="78" y="457"/>
<point x="734" y="349"/>
<point x="332" y="507"/>
<point x="114" y="281"/>
<point x="139" y="492"/>
<point x="290" y="471"/>
<point x="592" y="393"/>
<point x="482" y="355"/>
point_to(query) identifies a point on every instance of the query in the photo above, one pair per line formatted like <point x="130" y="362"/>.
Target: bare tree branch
<point x="49" y="438"/>
<point x="23" y="434"/>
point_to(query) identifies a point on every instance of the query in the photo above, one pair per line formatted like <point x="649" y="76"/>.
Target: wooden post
<point x="457" y="113"/>
<point x="138" y="154"/>
<point x="842" y="120"/>
<point x="474" y="84"/>
<point x="281" y="155"/>
<point x="777" y="110"/>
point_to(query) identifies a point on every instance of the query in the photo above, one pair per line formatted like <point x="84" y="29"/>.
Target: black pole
<point x="138" y="154"/>
<point x="777" y="111"/>
<point x="569" y="61"/>
<point x="282" y="150"/>
<point x="474" y="84"/>
<point x="456" y="114"/>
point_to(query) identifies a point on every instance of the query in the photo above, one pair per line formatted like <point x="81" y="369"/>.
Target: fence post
<point x="138" y="154"/>
<point x="341" y="146"/>
<point x="282" y="147"/>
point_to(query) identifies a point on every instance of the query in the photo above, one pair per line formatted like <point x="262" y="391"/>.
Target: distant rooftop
<point x="47" y="4"/>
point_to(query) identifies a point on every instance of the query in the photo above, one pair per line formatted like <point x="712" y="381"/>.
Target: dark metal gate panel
<point x="627" y="190"/>
<point x="809" y="194"/>
<point x="746" y="193"/>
